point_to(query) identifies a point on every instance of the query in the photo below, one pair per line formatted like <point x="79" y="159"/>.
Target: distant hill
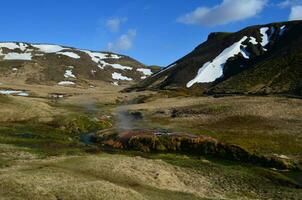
<point x="59" y="65"/>
<point x="262" y="59"/>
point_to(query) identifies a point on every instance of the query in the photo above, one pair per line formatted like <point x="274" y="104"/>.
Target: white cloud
<point x="295" y="8"/>
<point x="288" y="3"/>
<point x="124" y="42"/>
<point x="296" y="13"/>
<point x="114" y="24"/>
<point x="226" y="12"/>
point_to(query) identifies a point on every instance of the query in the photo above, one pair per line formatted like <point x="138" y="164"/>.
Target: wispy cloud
<point x="124" y="42"/>
<point x="114" y="24"/>
<point x="289" y="3"/>
<point x="226" y="12"/>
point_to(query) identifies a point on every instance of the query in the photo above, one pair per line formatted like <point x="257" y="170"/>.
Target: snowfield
<point x="17" y="56"/>
<point x="69" y="54"/>
<point x="146" y="72"/>
<point x="26" y="51"/>
<point x="48" y="48"/>
<point x="118" y="76"/>
<point x="12" y="46"/>
<point x="210" y="71"/>
<point x="118" y="66"/>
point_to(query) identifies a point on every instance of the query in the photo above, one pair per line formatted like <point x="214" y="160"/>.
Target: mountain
<point x="66" y="66"/>
<point x="261" y="59"/>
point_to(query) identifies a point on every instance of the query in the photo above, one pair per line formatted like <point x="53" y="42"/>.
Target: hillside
<point x="45" y="64"/>
<point x="262" y="59"/>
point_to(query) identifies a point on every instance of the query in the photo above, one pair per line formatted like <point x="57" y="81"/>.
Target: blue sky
<point x="151" y="31"/>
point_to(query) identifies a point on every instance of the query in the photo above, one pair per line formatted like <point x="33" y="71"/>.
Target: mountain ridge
<point x="45" y="63"/>
<point x="263" y="43"/>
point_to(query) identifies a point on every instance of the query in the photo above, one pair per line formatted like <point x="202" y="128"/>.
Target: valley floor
<point x="42" y="155"/>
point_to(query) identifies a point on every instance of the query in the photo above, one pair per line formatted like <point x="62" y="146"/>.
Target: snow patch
<point x="146" y="72"/>
<point x="69" y="74"/>
<point x="13" y="92"/>
<point x="253" y="40"/>
<point x="115" y="83"/>
<point x="48" y="48"/>
<point x="265" y="38"/>
<point x="70" y="54"/>
<point x="118" y="76"/>
<point x="100" y="66"/>
<point x="118" y="66"/>
<point x="66" y="83"/>
<point x="9" y="45"/>
<point x="39" y="54"/>
<point x="98" y="58"/>
<point x="13" y="45"/>
<point x="8" y="92"/>
<point x="17" y="56"/>
<point x="23" y="94"/>
<point x="23" y="46"/>
<point x="114" y="56"/>
<point x="282" y="30"/>
<point x="210" y="71"/>
<point x="282" y="156"/>
<point x="245" y="53"/>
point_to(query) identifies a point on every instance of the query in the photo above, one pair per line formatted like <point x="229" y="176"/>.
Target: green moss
<point x="77" y="124"/>
<point x="61" y="136"/>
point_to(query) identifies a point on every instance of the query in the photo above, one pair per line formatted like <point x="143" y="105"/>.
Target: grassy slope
<point x="40" y="159"/>
<point x="279" y="75"/>
<point x="261" y="124"/>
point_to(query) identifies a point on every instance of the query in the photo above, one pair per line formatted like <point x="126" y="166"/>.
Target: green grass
<point x="61" y="136"/>
<point x="40" y="139"/>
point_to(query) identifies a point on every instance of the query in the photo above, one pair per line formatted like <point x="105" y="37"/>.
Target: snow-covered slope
<point x="212" y="70"/>
<point x="217" y="64"/>
<point x="62" y="65"/>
